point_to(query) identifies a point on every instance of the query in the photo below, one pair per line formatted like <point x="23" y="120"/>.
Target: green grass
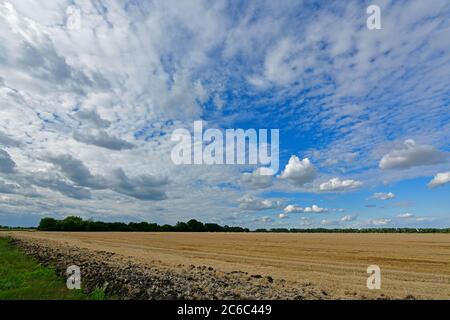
<point x="22" y="278"/>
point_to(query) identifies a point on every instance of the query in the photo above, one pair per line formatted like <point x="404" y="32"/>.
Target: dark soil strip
<point x="128" y="280"/>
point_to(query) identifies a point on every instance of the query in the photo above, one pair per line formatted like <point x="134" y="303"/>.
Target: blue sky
<point x="88" y="110"/>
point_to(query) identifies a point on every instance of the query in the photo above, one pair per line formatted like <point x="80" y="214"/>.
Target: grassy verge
<point x="22" y="278"/>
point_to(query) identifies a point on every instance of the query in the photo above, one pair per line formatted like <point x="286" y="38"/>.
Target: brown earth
<point x="291" y="266"/>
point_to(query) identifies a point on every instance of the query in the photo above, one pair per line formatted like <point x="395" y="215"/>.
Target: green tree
<point x="73" y="223"/>
<point x="195" y="226"/>
<point x="48" y="224"/>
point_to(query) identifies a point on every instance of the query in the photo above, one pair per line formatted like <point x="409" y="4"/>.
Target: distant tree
<point x="48" y="224"/>
<point x="279" y="230"/>
<point x="73" y="223"/>
<point x="195" y="226"/>
<point x="181" y="227"/>
<point x="213" y="227"/>
<point x="167" y="228"/>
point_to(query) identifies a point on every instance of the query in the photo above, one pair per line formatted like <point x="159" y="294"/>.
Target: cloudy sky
<point x="88" y="108"/>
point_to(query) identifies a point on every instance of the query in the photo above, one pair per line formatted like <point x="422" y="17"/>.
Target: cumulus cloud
<point x="102" y="139"/>
<point x="53" y="182"/>
<point x="296" y="209"/>
<point x="422" y="219"/>
<point x="76" y="171"/>
<point x="305" y="221"/>
<point x="336" y="184"/>
<point x="381" y="222"/>
<point x="7" y="141"/>
<point x="260" y="178"/>
<point x="299" y="172"/>
<point x="266" y="219"/>
<point x="405" y="215"/>
<point x="439" y="180"/>
<point x="144" y="187"/>
<point x="92" y="117"/>
<point x="283" y="216"/>
<point x="6" y="187"/>
<point x="315" y="209"/>
<point x="383" y="196"/>
<point x="249" y="202"/>
<point x="327" y="222"/>
<point x="293" y="209"/>
<point x="410" y="155"/>
<point x="7" y="164"/>
<point x="348" y="218"/>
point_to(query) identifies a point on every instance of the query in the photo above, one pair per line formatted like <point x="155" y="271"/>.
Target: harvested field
<point x="311" y="266"/>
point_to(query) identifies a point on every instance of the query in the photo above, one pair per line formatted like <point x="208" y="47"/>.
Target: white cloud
<point x="260" y="178"/>
<point x="77" y="172"/>
<point x="7" y="141"/>
<point x="315" y="209"/>
<point x="299" y="172"/>
<point x="6" y="187"/>
<point x="383" y="196"/>
<point x="55" y="182"/>
<point x="7" y="164"/>
<point x="422" y="219"/>
<point x="281" y="65"/>
<point x="283" y="216"/>
<point x="102" y="139"/>
<point x="336" y="184"/>
<point x="218" y="102"/>
<point x="305" y="221"/>
<point x="266" y="219"/>
<point x="410" y="155"/>
<point x="327" y="222"/>
<point x="296" y="209"/>
<point x="405" y="215"/>
<point x="439" y="180"/>
<point x="143" y="187"/>
<point x="381" y="222"/>
<point x="93" y="118"/>
<point x="249" y="202"/>
<point x="348" y="218"/>
<point x="293" y="209"/>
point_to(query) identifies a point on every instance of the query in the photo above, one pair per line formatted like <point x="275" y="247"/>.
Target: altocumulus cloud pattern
<point x="88" y="106"/>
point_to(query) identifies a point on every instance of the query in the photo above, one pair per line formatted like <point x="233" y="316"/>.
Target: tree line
<point x="15" y="228"/>
<point x="78" y="224"/>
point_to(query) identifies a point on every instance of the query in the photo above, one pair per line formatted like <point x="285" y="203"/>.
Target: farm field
<point x="412" y="265"/>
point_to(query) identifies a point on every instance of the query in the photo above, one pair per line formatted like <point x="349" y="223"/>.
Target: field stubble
<point x="415" y="265"/>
